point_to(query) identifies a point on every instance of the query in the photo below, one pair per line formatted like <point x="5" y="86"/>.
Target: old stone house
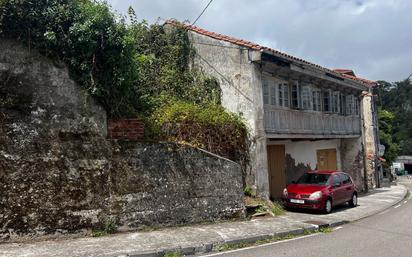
<point x="301" y="116"/>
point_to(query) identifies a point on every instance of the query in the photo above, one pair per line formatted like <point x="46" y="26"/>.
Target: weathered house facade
<point x="301" y="116"/>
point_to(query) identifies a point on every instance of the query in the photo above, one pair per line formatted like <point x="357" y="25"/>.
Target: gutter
<point x="309" y="70"/>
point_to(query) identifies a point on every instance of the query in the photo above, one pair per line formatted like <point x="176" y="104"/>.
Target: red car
<point x="320" y="190"/>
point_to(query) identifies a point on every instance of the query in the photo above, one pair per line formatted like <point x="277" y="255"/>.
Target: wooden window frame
<point x="306" y="97"/>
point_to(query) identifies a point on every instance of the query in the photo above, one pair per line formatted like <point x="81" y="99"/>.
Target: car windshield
<point x="314" y="179"/>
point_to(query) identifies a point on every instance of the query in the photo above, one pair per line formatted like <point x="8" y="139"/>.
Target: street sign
<point x="381" y="150"/>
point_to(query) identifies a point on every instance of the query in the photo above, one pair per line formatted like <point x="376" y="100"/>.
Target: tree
<point x="395" y="101"/>
<point x="385" y="134"/>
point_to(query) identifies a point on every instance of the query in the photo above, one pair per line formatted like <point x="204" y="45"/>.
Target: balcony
<point x="284" y="123"/>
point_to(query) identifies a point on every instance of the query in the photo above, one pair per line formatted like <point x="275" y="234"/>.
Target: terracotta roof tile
<point x="254" y="46"/>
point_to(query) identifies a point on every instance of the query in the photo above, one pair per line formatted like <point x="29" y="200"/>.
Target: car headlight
<point x="285" y="192"/>
<point x="316" y="195"/>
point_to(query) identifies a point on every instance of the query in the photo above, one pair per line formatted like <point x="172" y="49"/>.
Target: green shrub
<point x="206" y="126"/>
<point x="122" y="64"/>
<point x="248" y="191"/>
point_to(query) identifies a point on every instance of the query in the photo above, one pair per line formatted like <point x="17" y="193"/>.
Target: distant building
<point x="403" y="163"/>
<point x="301" y="116"/>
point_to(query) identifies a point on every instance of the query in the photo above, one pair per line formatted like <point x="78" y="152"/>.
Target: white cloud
<point x="373" y="37"/>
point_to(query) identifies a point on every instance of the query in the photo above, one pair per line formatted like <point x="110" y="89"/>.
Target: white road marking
<point x="263" y="245"/>
<point x="405" y="201"/>
<point x="337" y="228"/>
<point x="397" y="206"/>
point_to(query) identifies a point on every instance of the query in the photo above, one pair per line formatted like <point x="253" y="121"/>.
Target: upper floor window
<point x="350" y="105"/>
<point x="317" y="102"/>
<point x="295" y="95"/>
<point x="356" y="106"/>
<point x="342" y="104"/>
<point x="327" y="100"/>
<point x="335" y="102"/>
<point x="307" y="97"/>
<point x="265" y="84"/>
<point x="283" y="98"/>
<point x="307" y="100"/>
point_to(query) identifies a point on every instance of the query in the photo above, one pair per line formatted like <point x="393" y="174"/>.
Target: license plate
<point x="297" y="201"/>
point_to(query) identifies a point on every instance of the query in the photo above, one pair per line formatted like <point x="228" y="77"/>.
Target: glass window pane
<point x="273" y="88"/>
<point x="326" y="101"/>
<point x="295" y="99"/>
<point x="286" y="95"/>
<point x="306" y="98"/>
<point x="265" y="92"/>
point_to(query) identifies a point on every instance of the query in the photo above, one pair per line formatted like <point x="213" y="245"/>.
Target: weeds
<point x="325" y="230"/>
<point x="109" y="227"/>
<point x="172" y="254"/>
<point x="277" y="209"/>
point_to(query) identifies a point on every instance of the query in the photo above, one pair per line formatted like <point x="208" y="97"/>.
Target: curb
<point x="214" y="247"/>
<point x="385" y="208"/>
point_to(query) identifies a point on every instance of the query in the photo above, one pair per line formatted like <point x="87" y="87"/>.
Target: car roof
<point x="325" y="171"/>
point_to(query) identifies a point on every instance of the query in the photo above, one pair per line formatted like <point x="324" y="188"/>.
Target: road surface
<point x="387" y="234"/>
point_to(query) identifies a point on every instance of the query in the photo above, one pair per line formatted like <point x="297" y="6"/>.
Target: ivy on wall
<point x="132" y="68"/>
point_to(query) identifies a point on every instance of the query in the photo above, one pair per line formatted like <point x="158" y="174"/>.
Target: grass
<point x="229" y="247"/>
<point x="326" y="230"/>
<point x="172" y="254"/>
<point x="248" y="191"/>
<point x="277" y="209"/>
<point x="109" y="227"/>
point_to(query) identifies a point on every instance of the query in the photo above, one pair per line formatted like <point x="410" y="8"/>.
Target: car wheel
<point x="354" y="201"/>
<point x="328" y="206"/>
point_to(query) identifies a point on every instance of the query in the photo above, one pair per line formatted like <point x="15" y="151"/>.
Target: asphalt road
<point x="387" y="234"/>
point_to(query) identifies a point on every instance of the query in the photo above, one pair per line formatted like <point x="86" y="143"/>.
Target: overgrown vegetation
<point x="263" y="206"/>
<point x="132" y="68"/>
<point x="172" y="254"/>
<point x="395" y="114"/>
<point x="248" y="191"/>
<point x="278" y="209"/>
<point x="107" y="227"/>
<point x="205" y="125"/>
<point x="123" y="64"/>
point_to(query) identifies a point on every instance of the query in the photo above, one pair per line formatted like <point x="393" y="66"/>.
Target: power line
<point x="200" y="15"/>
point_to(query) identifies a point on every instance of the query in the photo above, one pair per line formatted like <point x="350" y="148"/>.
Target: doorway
<point x="327" y="159"/>
<point x="276" y="166"/>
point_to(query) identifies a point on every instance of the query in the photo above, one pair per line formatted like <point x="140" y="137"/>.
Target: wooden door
<point x="276" y="165"/>
<point x="327" y="159"/>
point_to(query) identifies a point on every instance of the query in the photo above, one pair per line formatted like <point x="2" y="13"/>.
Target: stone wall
<point x="58" y="173"/>
<point x="353" y="160"/>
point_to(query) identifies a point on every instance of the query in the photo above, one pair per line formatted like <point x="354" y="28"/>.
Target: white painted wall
<point x="305" y="151"/>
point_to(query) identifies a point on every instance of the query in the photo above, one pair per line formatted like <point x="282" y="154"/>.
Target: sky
<point x="371" y="37"/>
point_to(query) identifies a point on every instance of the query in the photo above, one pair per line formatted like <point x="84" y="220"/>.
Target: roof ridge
<point x="255" y="46"/>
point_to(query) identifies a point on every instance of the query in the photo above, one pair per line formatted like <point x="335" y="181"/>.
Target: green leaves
<point x="395" y="116"/>
<point x="124" y="65"/>
<point x="206" y="126"/>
